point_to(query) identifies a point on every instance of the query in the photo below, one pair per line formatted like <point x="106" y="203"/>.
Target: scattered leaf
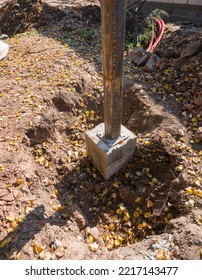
<point x="37" y="249"/>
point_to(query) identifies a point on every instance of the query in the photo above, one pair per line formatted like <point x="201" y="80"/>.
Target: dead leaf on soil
<point x="37" y="248"/>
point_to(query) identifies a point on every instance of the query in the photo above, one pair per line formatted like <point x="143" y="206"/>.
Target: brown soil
<point x="54" y="204"/>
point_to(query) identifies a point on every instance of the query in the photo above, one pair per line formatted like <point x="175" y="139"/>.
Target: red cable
<point x="151" y="41"/>
<point x="161" y="28"/>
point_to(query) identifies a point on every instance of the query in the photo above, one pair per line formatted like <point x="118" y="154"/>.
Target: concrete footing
<point x="109" y="156"/>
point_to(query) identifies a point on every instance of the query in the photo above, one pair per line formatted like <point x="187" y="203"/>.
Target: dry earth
<point x="54" y="204"/>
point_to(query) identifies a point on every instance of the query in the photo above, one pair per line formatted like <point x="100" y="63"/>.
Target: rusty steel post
<point x="113" y="39"/>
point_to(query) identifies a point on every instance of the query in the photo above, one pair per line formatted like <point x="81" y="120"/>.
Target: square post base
<point x="109" y="156"/>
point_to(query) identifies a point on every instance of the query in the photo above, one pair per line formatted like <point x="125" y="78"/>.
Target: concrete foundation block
<point x="109" y="156"/>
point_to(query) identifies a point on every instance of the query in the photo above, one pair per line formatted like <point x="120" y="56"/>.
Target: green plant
<point x="141" y="29"/>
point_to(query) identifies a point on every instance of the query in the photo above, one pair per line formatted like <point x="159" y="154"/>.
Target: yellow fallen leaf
<point x="56" y="192"/>
<point x="191" y="172"/>
<point x="198" y="222"/>
<point x="110" y="244"/>
<point x="31" y="203"/>
<point x="20" y="181"/>
<point x="154" y="89"/>
<point x="119" y="211"/>
<point x="147" y="214"/>
<point x="116" y="184"/>
<point x="142" y="226"/>
<point x="11" y="229"/>
<point x="161" y="255"/>
<point x="5" y="242"/>
<point x="37" y="249"/>
<point x="126" y="217"/>
<point x="58" y="207"/>
<point x="197" y="183"/>
<point x="117" y="243"/>
<point x="189" y="190"/>
<point x="111" y="227"/>
<point x="11" y="217"/>
<point x="90" y="239"/>
<point x="93" y="247"/>
<point x="154" y="181"/>
<point x="1" y="167"/>
<point x="149" y="203"/>
<point x="138" y="199"/>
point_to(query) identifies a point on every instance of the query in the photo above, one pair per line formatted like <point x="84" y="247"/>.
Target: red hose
<point x="151" y="42"/>
<point x="161" y="29"/>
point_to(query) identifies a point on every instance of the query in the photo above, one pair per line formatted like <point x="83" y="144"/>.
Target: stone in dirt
<point x="199" y="133"/>
<point x="151" y="63"/>
<point x="139" y="56"/>
<point x="79" y="218"/>
<point x="191" y="49"/>
<point x="94" y="232"/>
<point x="89" y="186"/>
<point x="178" y="62"/>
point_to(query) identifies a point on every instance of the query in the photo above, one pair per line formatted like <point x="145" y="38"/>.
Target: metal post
<point x="113" y="38"/>
<point x="110" y="144"/>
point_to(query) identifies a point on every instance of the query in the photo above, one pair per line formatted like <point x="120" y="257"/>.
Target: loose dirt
<point x="54" y="203"/>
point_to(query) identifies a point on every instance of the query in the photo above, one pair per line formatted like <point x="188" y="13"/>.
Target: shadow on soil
<point x="87" y="199"/>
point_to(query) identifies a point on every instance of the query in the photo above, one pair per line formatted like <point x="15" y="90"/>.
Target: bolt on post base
<point x="109" y="156"/>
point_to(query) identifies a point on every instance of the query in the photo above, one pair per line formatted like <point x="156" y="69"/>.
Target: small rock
<point x="191" y="49"/>
<point x="57" y="244"/>
<point x="178" y="63"/>
<point x="162" y="66"/>
<point x="139" y="56"/>
<point x="94" y="232"/>
<point x="59" y="252"/>
<point x="42" y="255"/>
<point x="113" y="195"/>
<point x="198" y="134"/>
<point x="79" y="218"/>
<point x="143" y="60"/>
<point x="82" y="176"/>
<point x="97" y="188"/>
<point x="188" y="106"/>
<point x="124" y="192"/>
<point x="190" y="203"/>
<point x="151" y="63"/>
<point x="198" y="101"/>
<point x="93" y="247"/>
<point x="89" y="186"/>
<point x="181" y="132"/>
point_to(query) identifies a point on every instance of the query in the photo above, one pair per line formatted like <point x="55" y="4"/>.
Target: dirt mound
<point x="18" y="16"/>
